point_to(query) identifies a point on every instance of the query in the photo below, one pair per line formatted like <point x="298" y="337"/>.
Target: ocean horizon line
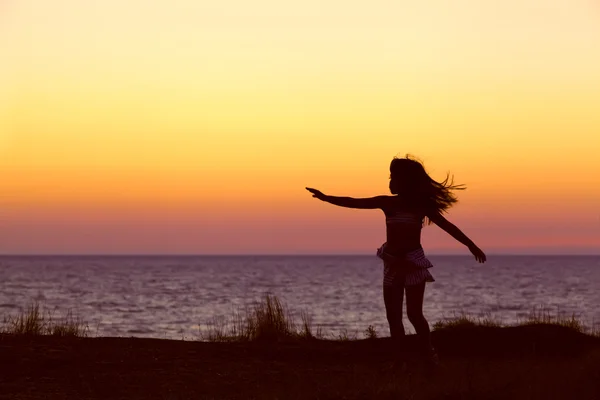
<point x="189" y="255"/>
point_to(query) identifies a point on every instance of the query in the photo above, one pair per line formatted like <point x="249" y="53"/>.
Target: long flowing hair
<point x="419" y="189"/>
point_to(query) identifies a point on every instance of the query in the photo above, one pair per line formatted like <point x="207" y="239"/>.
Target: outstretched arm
<point x="350" y="202"/>
<point x="457" y="234"/>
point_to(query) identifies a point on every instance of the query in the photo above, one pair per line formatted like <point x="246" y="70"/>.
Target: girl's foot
<point x="395" y="367"/>
<point x="432" y="362"/>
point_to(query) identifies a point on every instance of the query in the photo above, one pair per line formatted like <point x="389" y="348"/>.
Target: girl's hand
<point x="479" y="255"/>
<point x="316" y="193"/>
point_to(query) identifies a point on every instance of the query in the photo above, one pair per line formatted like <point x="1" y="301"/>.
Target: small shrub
<point x="371" y="332"/>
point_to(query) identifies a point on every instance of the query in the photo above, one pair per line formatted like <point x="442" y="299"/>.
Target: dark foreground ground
<point x="527" y="362"/>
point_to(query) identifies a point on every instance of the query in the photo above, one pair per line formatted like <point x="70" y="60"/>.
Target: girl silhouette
<point x="416" y="200"/>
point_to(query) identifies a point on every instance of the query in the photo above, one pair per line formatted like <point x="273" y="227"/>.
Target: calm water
<point x="176" y="297"/>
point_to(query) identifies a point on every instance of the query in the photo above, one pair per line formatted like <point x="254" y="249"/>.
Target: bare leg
<point x="414" y="311"/>
<point x="393" y="297"/>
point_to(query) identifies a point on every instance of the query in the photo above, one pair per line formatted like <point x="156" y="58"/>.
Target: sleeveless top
<point x="395" y="271"/>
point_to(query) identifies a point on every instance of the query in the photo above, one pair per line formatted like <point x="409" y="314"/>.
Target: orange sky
<point x="153" y="127"/>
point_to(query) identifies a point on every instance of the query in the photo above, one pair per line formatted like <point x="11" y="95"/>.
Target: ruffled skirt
<point x="408" y="270"/>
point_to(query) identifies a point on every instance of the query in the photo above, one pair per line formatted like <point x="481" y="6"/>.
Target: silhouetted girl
<point x="417" y="199"/>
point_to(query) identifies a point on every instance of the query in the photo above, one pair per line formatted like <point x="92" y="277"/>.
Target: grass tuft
<point x="538" y="316"/>
<point x="345" y="336"/>
<point x="464" y="320"/>
<point x="544" y="316"/>
<point x="270" y="320"/>
<point x="266" y="320"/>
<point x="35" y="322"/>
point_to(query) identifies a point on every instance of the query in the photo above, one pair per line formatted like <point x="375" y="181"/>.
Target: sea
<point x="184" y="297"/>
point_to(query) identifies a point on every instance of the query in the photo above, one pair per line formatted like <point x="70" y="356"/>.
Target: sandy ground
<point x="537" y="362"/>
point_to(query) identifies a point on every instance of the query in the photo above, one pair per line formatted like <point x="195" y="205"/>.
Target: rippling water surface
<point x="176" y="297"/>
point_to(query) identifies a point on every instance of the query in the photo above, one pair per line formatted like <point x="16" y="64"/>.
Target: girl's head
<point x="409" y="179"/>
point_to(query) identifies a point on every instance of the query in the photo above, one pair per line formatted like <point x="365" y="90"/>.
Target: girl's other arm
<point x="457" y="234"/>
<point x="350" y="202"/>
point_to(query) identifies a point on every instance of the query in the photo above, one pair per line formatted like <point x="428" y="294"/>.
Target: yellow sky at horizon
<point x="162" y="110"/>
